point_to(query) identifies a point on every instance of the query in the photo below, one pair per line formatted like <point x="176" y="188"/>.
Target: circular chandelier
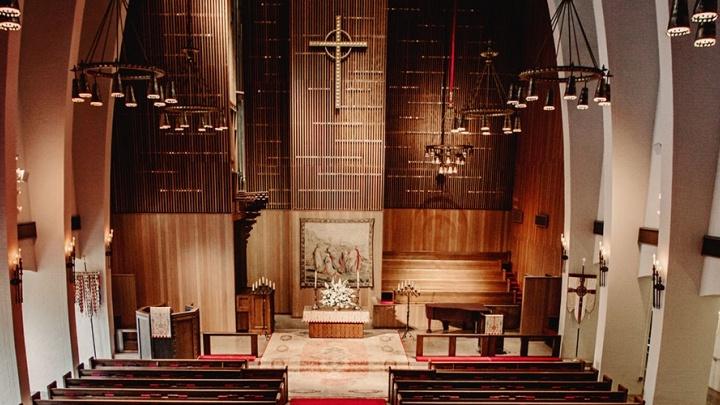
<point x="568" y="29"/>
<point x="10" y="15"/>
<point x="488" y="103"/>
<point x="119" y="69"/>
<point x="705" y="14"/>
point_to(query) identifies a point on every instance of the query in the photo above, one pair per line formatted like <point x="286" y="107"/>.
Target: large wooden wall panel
<point x="539" y="168"/>
<point x="337" y="156"/>
<point x="269" y="255"/>
<point x="179" y="259"/>
<point x="445" y="231"/>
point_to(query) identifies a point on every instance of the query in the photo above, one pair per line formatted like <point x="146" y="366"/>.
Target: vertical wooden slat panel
<point x="337" y="156"/>
<point x="157" y="170"/>
<point x="418" y="37"/>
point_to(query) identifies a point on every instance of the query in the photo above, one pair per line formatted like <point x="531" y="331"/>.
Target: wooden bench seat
<point x="101" y="382"/>
<point x="95" y="401"/>
<point x="166" y="393"/>
<point x="505" y="385"/>
<point x="204" y="363"/>
<point x="514" y="365"/>
<point x="180" y="372"/>
<point x="513" y="396"/>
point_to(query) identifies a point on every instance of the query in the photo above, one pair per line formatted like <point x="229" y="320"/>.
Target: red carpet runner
<point x="337" y="401"/>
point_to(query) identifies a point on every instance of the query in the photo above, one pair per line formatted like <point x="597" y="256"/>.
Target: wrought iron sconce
<point x="108" y="242"/>
<point x="563" y="251"/>
<point x="70" y="255"/>
<point x="603" y="265"/>
<point x="657" y="284"/>
<point x="17" y="277"/>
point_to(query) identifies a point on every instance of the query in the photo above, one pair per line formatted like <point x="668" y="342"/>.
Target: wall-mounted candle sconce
<point x="657" y="283"/>
<point x="17" y="277"/>
<point x="602" y="256"/>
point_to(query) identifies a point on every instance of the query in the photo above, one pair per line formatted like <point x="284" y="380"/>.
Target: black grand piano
<point x="463" y="316"/>
<point x="471" y="316"/>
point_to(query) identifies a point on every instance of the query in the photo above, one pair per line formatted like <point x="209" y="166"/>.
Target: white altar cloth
<point x="331" y="316"/>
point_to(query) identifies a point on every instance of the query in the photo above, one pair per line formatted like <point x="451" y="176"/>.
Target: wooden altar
<point x="329" y="323"/>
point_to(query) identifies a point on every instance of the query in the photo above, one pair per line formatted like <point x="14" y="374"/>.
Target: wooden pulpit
<point x="184" y="342"/>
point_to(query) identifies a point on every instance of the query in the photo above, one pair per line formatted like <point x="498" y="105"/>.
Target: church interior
<point x="360" y="202"/>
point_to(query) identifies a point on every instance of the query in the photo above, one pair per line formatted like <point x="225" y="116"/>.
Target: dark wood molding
<point x="246" y="209"/>
<point x="711" y="246"/>
<point x="648" y="236"/>
<point x="598" y="227"/>
<point x="26" y="230"/>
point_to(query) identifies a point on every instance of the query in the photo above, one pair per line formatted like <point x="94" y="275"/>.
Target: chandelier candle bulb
<point x="117" y="87"/>
<point x="705" y="36"/>
<point x="571" y="89"/>
<point x="679" y="23"/>
<point x="84" y="91"/>
<point x="532" y="91"/>
<point x="130" y="100"/>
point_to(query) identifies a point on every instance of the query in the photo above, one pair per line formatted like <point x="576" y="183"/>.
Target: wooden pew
<point x="180" y="372"/>
<point x="166" y="393"/>
<point x="100" y="382"/>
<point x="519" y="365"/>
<point x="512" y="396"/>
<point x="103" y="363"/>
<point x="487" y="375"/>
<point x="464" y="402"/>
<point x="489" y="344"/>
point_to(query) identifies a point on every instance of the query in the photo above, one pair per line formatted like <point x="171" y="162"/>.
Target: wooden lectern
<point x="185" y="340"/>
<point x="255" y="313"/>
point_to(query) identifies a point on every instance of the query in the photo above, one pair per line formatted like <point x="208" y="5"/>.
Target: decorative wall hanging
<point x="332" y="249"/>
<point x="338" y="44"/>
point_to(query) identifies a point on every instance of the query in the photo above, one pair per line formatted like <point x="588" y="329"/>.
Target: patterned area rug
<point x="336" y="367"/>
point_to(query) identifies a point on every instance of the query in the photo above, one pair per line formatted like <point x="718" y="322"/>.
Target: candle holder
<point x="265" y="289"/>
<point x="657" y="284"/>
<point x="108" y="242"/>
<point x="70" y="257"/>
<point x="407" y="288"/>
<point x="563" y="252"/>
<point x="602" y="259"/>
<point x="17" y="277"/>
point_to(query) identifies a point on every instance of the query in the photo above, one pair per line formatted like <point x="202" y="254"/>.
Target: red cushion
<point x="337" y="401"/>
<point x="227" y="357"/>
<point x="459" y="359"/>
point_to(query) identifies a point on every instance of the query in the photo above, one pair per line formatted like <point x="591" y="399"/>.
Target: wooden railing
<point x="489" y="344"/>
<point x="207" y="340"/>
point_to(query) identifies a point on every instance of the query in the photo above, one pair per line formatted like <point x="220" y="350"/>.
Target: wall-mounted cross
<point x="334" y="49"/>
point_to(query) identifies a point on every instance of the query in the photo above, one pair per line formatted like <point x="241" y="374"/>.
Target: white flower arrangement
<point x="338" y="295"/>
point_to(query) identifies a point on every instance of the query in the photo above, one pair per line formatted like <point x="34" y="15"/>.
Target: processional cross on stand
<point x="334" y="49"/>
<point x="585" y="292"/>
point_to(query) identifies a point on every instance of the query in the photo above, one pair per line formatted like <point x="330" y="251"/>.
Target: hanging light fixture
<point x="518" y="127"/>
<point x="76" y="91"/>
<point x="116" y="67"/>
<point x="160" y="101"/>
<point x="83" y="87"/>
<point x="10" y="23"/>
<point x="171" y="94"/>
<point x="583" y="101"/>
<point x="550" y="99"/>
<point x="164" y="122"/>
<point x="679" y="23"/>
<point x="488" y="103"/>
<point x="581" y="67"/>
<point x="117" y="91"/>
<point x="10" y="8"/>
<point x="446" y="156"/>
<point x="95" y="100"/>
<point x="507" y="125"/>
<point x="130" y="100"/>
<point x="208" y="123"/>
<point x="705" y="10"/>
<point x="532" y="91"/>
<point x="705" y="35"/>
<point x="607" y="102"/>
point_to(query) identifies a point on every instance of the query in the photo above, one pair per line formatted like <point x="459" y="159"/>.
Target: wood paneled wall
<point x="539" y="179"/>
<point x="337" y="156"/>
<point x="418" y="45"/>
<point x="166" y="171"/>
<point x="269" y="255"/>
<point x="266" y="79"/>
<point x="445" y="231"/>
<point x="179" y="259"/>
